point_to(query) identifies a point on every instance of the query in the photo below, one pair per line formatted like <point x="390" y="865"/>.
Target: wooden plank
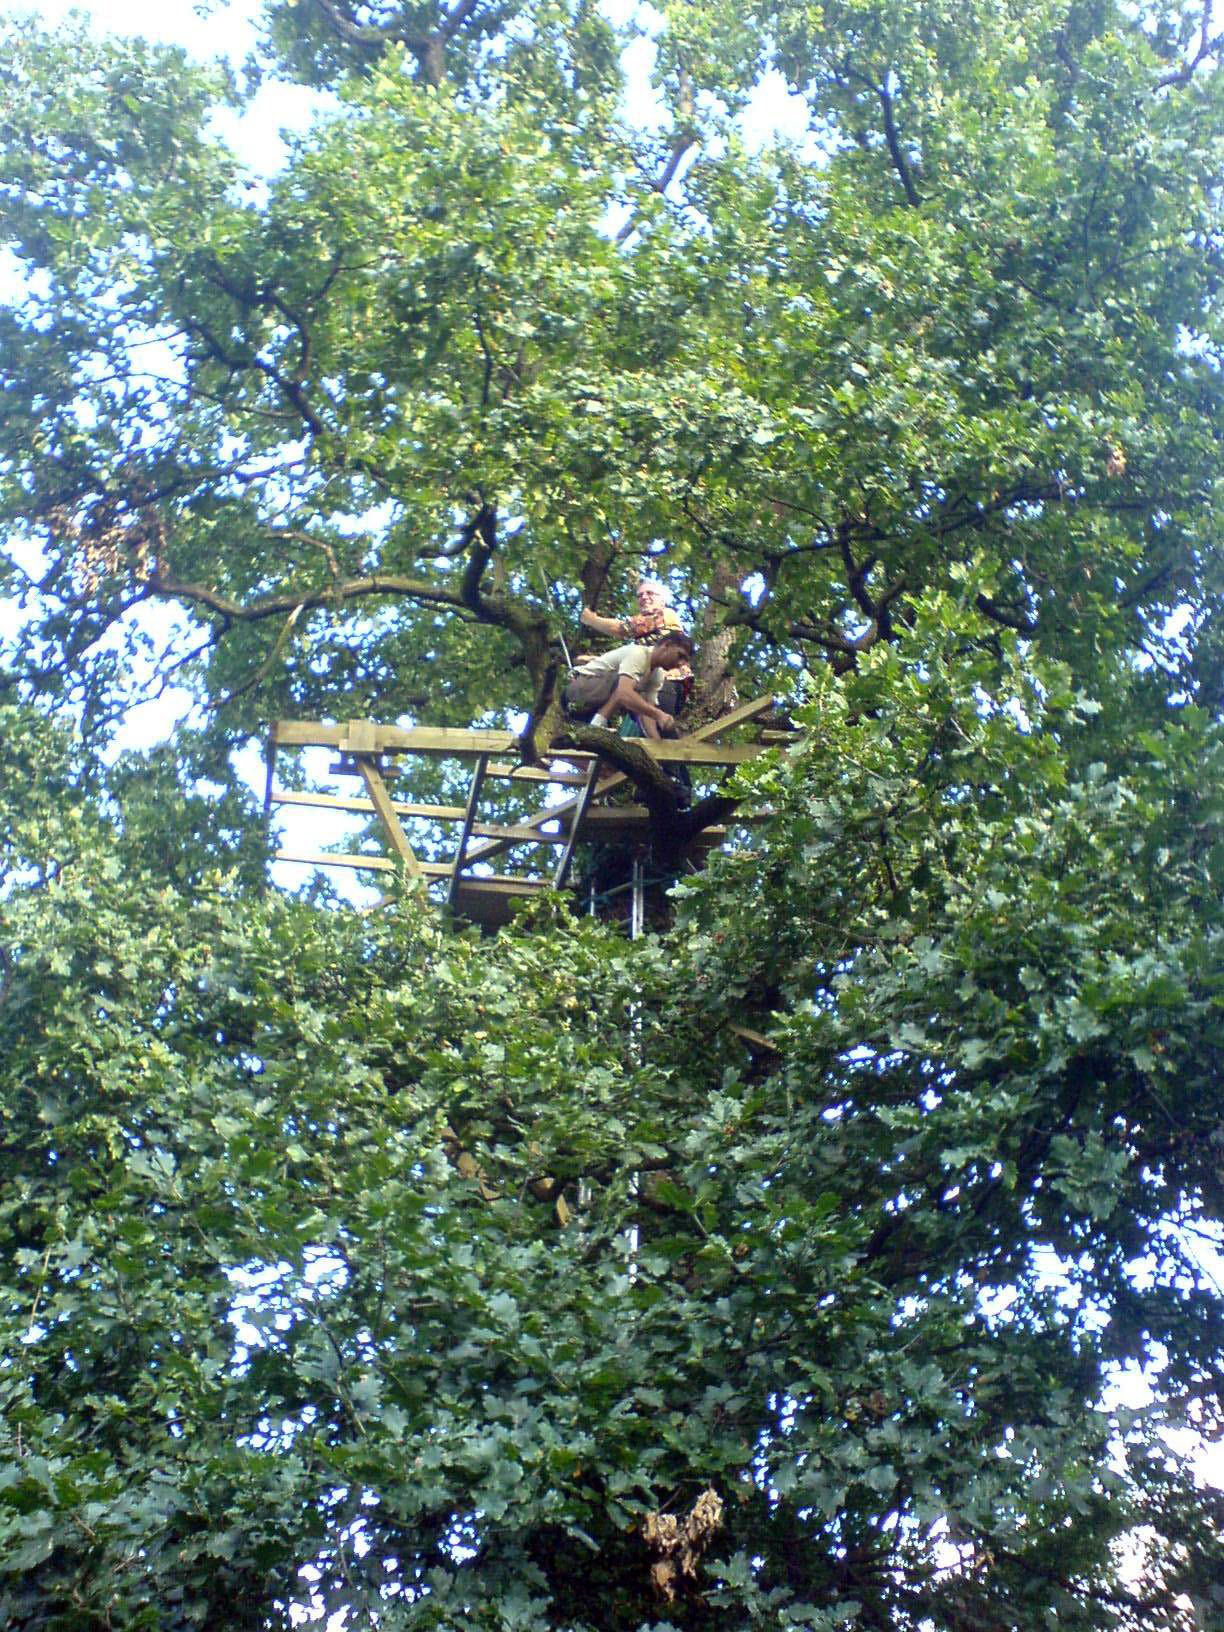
<point x="438" y="813"/>
<point x="744" y="714"/>
<point x="501" y="884"/>
<point x="616" y="818"/>
<point x="432" y="870"/>
<point x="529" y="773"/>
<point x="492" y="902"/>
<point x="754" y="1038"/>
<point x="391" y="738"/>
<point x="373" y="864"/>
<point x="360" y="737"/>
<point x="498" y="768"/>
<point x="334" y="801"/>
<point x="516" y="835"/>
<point x="381" y="800"/>
<point x="685" y="752"/>
<point x="449" y="739"/>
<point x="447" y="742"/>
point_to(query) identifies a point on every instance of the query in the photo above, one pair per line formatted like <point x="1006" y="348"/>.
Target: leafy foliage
<point x="357" y="1264"/>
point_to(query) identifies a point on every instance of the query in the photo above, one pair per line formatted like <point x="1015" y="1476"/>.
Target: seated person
<point x="628" y="679"/>
<point x="653" y="619"/>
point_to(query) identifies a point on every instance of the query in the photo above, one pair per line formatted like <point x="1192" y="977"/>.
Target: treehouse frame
<point x="370" y="752"/>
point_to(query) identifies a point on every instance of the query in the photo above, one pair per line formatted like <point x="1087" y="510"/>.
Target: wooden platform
<point x="371" y="752"/>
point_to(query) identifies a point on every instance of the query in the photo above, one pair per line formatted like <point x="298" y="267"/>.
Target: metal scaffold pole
<point x="637" y="923"/>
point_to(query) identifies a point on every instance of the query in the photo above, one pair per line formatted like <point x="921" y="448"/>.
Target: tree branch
<point x="368" y="34"/>
<point x="682" y="145"/>
<point x="167" y="587"/>
<point x="456" y="17"/>
<point x="657" y="791"/>
<point x="1207" y="47"/>
<point x="900" y="163"/>
<point x="1008" y="616"/>
<point x="427" y="48"/>
<point x="892" y="138"/>
<point x="266" y="666"/>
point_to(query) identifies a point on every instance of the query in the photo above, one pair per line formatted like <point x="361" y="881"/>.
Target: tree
<point x="358" y="421"/>
<point x="769" y="1272"/>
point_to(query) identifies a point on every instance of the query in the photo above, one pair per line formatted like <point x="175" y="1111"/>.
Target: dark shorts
<point x="673" y="694"/>
<point x="585" y="694"/>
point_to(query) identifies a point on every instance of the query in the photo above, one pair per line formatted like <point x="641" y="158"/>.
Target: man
<point x="653" y="619"/>
<point x="627" y="679"/>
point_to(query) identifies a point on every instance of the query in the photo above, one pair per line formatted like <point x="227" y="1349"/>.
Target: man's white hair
<point x="659" y="588"/>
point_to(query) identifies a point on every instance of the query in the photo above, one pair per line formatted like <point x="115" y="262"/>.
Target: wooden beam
<point x="384" y="738"/>
<point x="744" y="714"/>
<point x="373" y="864"/>
<point x="381" y="800"/>
<point x="432" y="870"/>
<point x="453" y="743"/>
<point x="334" y="801"/>
<point x="491" y="902"/>
<point x="497" y="767"/>
<point x="624" y="815"/>
<point x="521" y="834"/>
<point x="360" y="736"/>
<point x="501" y="884"/>
<point x="529" y="773"/>
<point x="753" y="1038"/>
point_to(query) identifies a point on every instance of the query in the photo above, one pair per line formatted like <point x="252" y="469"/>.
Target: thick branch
<point x="427" y="48"/>
<point x="368" y="34"/>
<point x="1207" y="47"/>
<point x="418" y="589"/>
<point x="657" y="791"/>
<point x="856" y="576"/>
<point x="456" y="17"/>
<point x="1009" y="617"/>
<point x="900" y="163"/>
<point x="682" y="145"/>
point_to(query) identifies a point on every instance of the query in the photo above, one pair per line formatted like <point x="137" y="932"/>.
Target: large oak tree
<point x="350" y="1261"/>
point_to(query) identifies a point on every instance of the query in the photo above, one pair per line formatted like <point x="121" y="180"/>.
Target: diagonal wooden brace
<point x="381" y="800"/>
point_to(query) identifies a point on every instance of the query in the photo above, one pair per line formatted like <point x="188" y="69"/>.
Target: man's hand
<point x="667" y="724"/>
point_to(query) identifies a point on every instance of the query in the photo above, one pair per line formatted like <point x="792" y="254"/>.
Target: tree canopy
<point x="775" y="1269"/>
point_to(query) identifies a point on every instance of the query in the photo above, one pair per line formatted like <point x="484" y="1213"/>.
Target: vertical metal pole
<point x="271" y="766"/>
<point x="469" y="819"/>
<point x="637" y="922"/>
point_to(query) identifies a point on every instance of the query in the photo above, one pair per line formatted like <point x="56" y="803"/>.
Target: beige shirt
<point x="633" y="661"/>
